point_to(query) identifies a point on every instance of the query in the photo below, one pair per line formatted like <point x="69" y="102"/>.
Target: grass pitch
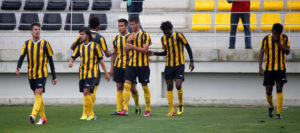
<point x="14" y="119"/>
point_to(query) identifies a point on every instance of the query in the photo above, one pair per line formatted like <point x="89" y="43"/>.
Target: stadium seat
<point x="102" y="19"/>
<point x="27" y="19"/>
<point x="294" y="6"/>
<point x="204" y="5"/>
<point x="79" y="5"/>
<point x="253" y="22"/>
<point x="292" y="21"/>
<point x="7" y="21"/>
<point x="201" y="21"/>
<point x="11" y="4"/>
<point x="34" y="5"/>
<point x="268" y="19"/>
<point x="222" y="21"/>
<point x="273" y="4"/>
<point x="77" y="21"/>
<point x="254" y="5"/>
<point x="52" y="21"/>
<point x="56" y="4"/>
<point x="223" y="5"/>
<point x="101" y="5"/>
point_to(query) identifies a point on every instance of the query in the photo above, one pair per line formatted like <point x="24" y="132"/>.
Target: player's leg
<point x="170" y="97"/>
<point x="180" y="96"/>
<point x="88" y="104"/>
<point x="89" y="90"/>
<point x="135" y="96"/>
<point x="126" y="96"/>
<point x="119" y="97"/>
<point x="37" y="104"/>
<point x="84" y="115"/>
<point x="143" y="76"/>
<point x="269" y="96"/>
<point x="279" y="87"/>
<point x="93" y="95"/>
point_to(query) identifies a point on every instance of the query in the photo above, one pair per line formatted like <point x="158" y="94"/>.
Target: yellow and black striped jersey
<point x="173" y="46"/>
<point x="90" y="56"/>
<point x="119" y="43"/>
<point x="136" y="58"/>
<point x="38" y="54"/>
<point x="274" y="57"/>
<point x="96" y="37"/>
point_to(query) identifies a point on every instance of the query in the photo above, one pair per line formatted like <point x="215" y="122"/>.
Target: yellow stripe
<point x="49" y="49"/>
<point x="29" y="59"/>
<point x="34" y="60"/>
<point x="41" y="59"/>
<point x="140" y="53"/>
<point x="270" y="53"/>
<point x="124" y="52"/>
<point x="103" y="44"/>
<point x="46" y="65"/>
<point x="171" y="52"/>
<point x="276" y="57"/>
<point x="81" y="61"/>
<point x="85" y="63"/>
<point x="177" y="52"/>
<point x="119" y="52"/>
<point x="91" y="60"/>
<point x="23" y="49"/>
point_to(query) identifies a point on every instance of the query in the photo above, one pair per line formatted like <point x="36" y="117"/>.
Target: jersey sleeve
<point x="103" y="43"/>
<point x="24" y="49"/>
<point x="99" y="53"/>
<point x="147" y="39"/>
<point x="114" y="42"/>
<point x="182" y="39"/>
<point x="49" y="49"/>
<point x="163" y="45"/>
<point x="76" y="53"/>
<point x="263" y="45"/>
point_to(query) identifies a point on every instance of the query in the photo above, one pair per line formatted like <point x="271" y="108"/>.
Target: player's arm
<point x="107" y="76"/>
<point x="285" y="46"/>
<point x="51" y="63"/>
<point x="75" y="54"/>
<point x="73" y="46"/>
<point x="21" y="59"/>
<point x="261" y="56"/>
<point x="144" y="49"/>
<point x="104" y="47"/>
<point x="189" y="50"/>
<point x="113" y="58"/>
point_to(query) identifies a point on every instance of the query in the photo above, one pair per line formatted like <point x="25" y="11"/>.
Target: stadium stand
<point x="268" y="19"/>
<point x="34" y="5"/>
<point x="293" y="5"/>
<point x="254" y="5"/>
<point x="52" y="21"/>
<point x="222" y="21"/>
<point x="201" y="21"/>
<point x="223" y="5"/>
<point x="27" y="19"/>
<point x="204" y="5"/>
<point x="79" y="5"/>
<point x="292" y="21"/>
<point x="253" y="23"/>
<point x="102" y="19"/>
<point x="77" y="21"/>
<point x="101" y="5"/>
<point x="7" y="21"/>
<point x="273" y="4"/>
<point x="11" y="4"/>
<point x="56" y="4"/>
<point x="163" y="4"/>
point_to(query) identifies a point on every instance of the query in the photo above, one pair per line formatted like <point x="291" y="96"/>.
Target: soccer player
<point x="137" y="46"/>
<point x="172" y="44"/>
<point x="94" y="25"/>
<point x="90" y="55"/>
<point x="117" y="69"/>
<point x="274" y="46"/>
<point x="39" y="53"/>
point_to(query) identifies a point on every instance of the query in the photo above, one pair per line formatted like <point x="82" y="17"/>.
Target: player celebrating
<point x="94" y="25"/>
<point x="38" y="53"/>
<point x="172" y="44"/>
<point x="117" y="69"/>
<point x="137" y="46"/>
<point x="90" y="55"/>
<point x="275" y="46"/>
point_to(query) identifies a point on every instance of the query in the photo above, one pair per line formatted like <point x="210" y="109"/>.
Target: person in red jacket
<point x="240" y="9"/>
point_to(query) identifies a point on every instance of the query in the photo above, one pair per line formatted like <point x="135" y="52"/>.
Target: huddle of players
<point x="130" y="60"/>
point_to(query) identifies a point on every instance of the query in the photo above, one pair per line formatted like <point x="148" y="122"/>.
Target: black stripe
<point x="83" y="60"/>
<point x="273" y="55"/>
<point x="173" y="50"/>
<point x="43" y="60"/>
<point x="121" y="49"/>
<point x="32" y="57"/>
<point x="142" y="45"/>
<point x="169" y="53"/>
<point x="89" y="60"/>
<point x="38" y="59"/>
<point x="267" y="52"/>
<point x="278" y="58"/>
<point x="179" y="47"/>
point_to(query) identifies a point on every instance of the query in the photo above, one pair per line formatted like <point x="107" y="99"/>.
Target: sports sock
<point x="126" y="95"/>
<point x="37" y="105"/>
<point x="180" y="93"/>
<point x="170" y="100"/>
<point x="270" y="100"/>
<point x="42" y="110"/>
<point x="147" y="96"/>
<point x="93" y="95"/>
<point x="279" y="102"/>
<point x="119" y="99"/>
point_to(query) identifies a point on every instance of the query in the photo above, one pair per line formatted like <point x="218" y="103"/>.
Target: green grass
<point x="13" y="119"/>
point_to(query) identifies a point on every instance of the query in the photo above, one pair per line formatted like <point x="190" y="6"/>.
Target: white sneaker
<point x="31" y="119"/>
<point x="41" y="121"/>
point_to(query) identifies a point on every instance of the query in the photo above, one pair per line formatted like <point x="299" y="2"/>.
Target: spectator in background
<point x="134" y="8"/>
<point x="240" y="9"/>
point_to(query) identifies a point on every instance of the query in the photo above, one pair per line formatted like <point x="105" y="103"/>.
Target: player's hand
<point x="107" y="76"/>
<point x="54" y="81"/>
<point x="192" y="66"/>
<point x="131" y="37"/>
<point x="150" y="53"/>
<point x="128" y="46"/>
<point x="150" y="60"/>
<point x="111" y="72"/>
<point x="70" y="64"/>
<point x="18" y="71"/>
<point x="261" y="71"/>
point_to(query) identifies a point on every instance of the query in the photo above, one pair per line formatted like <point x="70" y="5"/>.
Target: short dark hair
<point x="94" y="22"/>
<point x="87" y="31"/>
<point x="167" y="25"/>
<point x="123" y="20"/>
<point x="134" y="19"/>
<point x="34" y="24"/>
<point x="277" y="27"/>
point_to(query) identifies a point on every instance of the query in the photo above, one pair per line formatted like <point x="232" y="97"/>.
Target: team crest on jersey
<point x="93" y="36"/>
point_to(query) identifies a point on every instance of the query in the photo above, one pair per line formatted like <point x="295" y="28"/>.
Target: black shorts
<point x="176" y="72"/>
<point x="98" y="79"/>
<point x="119" y="75"/>
<point x="143" y="73"/>
<point x="37" y="83"/>
<point x="87" y="83"/>
<point x="271" y="76"/>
